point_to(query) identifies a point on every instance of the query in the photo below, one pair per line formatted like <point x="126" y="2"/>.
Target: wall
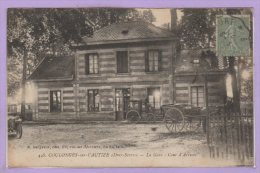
<point x="107" y="63"/>
<point x="107" y="80"/>
<point x="43" y="103"/>
<point x="216" y="88"/>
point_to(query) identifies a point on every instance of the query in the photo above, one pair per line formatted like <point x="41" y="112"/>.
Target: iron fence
<point x="230" y="135"/>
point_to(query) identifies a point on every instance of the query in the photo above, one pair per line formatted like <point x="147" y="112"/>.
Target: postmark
<point x="233" y="35"/>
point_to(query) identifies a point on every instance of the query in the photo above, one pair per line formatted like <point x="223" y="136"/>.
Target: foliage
<point x="197" y="27"/>
<point x="247" y="90"/>
<point x="13" y="79"/>
<point x="245" y="65"/>
<point x="148" y="16"/>
<point x="209" y="59"/>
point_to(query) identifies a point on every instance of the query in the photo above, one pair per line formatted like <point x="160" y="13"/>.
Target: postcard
<point x="130" y="87"/>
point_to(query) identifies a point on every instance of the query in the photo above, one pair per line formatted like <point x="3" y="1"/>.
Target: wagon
<point x="183" y="116"/>
<point x="140" y="110"/>
<point x="176" y="117"/>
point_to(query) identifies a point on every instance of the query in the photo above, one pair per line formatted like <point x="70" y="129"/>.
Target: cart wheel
<point x="133" y="116"/>
<point x="174" y="120"/>
<point x="19" y="131"/>
<point x="192" y="124"/>
<point x="150" y="117"/>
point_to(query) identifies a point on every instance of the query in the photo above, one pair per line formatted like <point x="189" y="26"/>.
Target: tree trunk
<point x="235" y="90"/>
<point x="173" y="20"/>
<point x="23" y="84"/>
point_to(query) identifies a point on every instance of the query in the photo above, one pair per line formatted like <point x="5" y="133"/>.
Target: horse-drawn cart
<point x="176" y="117"/>
<point x="183" y="116"/>
<point x="139" y="110"/>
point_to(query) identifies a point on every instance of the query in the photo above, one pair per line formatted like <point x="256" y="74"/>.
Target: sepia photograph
<point x="130" y="87"/>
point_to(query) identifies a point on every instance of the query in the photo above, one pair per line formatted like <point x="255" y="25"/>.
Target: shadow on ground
<point x="180" y="135"/>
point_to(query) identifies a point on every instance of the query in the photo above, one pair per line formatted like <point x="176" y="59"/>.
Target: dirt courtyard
<point x="114" y="137"/>
<point x="122" y="135"/>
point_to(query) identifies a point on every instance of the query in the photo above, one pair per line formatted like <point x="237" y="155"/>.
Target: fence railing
<point x="230" y="135"/>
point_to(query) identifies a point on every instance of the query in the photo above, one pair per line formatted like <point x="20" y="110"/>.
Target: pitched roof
<point x="131" y="31"/>
<point x="186" y="63"/>
<point x="54" y="68"/>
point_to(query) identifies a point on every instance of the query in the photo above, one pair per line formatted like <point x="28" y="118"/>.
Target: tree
<point x="197" y="27"/>
<point x="235" y="66"/>
<point x="148" y="16"/>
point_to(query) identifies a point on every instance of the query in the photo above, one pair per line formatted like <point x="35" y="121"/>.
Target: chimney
<point x="173" y="20"/>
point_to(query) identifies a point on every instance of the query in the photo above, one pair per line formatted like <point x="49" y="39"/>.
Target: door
<point x="154" y="97"/>
<point x="122" y="100"/>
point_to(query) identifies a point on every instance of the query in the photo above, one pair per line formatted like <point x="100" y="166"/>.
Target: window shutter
<point x="51" y="101"/>
<point x="87" y="64"/>
<point x="159" y="60"/>
<point x="118" y="63"/>
<point x="125" y="62"/>
<point x="146" y="59"/>
<point x="122" y="62"/>
<point x="98" y="63"/>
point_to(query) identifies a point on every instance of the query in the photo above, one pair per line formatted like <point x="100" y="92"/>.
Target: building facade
<point x="120" y="62"/>
<point x="198" y="79"/>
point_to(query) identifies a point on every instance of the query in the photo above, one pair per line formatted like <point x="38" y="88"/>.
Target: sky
<point x="162" y="15"/>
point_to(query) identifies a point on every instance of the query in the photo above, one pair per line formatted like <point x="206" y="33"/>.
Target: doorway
<point x="122" y="100"/>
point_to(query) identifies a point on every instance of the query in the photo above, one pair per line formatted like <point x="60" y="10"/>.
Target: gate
<point x="230" y="136"/>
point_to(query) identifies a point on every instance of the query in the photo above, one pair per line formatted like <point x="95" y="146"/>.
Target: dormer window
<point x="196" y="61"/>
<point x="124" y="32"/>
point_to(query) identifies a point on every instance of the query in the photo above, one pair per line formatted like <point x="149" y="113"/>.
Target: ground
<point x="125" y="142"/>
<point x="124" y="135"/>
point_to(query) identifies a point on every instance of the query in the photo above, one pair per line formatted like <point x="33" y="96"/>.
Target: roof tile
<point x="128" y="31"/>
<point x="54" y="68"/>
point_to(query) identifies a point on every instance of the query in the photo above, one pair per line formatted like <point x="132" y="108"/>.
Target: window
<point x="28" y="107"/>
<point x="154" y="97"/>
<point x="197" y="96"/>
<point x="122" y="61"/>
<point x="153" y="60"/>
<point x="91" y="63"/>
<point x="93" y="100"/>
<point x="55" y="101"/>
<point x="12" y="108"/>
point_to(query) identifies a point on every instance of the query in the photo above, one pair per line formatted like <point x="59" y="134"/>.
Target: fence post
<point x="225" y="134"/>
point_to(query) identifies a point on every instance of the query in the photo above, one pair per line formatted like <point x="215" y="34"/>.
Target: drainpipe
<point x="76" y="85"/>
<point x="205" y="128"/>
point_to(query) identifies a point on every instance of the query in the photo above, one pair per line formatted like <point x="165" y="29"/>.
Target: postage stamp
<point x="130" y="87"/>
<point x="233" y="35"/>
